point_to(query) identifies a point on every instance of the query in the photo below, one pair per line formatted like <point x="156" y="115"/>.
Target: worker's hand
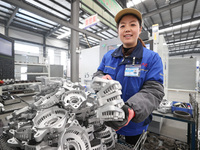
<point x="108" y="77"/>
<point x="116" y="125"/>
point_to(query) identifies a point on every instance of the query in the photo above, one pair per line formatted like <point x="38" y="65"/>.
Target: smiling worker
<point x="139" y="71"/>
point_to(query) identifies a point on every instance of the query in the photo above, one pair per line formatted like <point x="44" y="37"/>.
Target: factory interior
<point x="49" y="52"/>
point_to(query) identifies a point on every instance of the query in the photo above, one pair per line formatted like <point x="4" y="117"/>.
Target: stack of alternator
<point x="67" y="117"/>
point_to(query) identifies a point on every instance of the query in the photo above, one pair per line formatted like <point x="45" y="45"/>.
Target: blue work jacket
<point x="113" y="63"/>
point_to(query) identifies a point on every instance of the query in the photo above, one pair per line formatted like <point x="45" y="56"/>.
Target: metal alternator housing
<point x="73" y="99"/>
<point x="74" y="137"/>
<point x="49" y="121"/>
<point x="109" y="99"/>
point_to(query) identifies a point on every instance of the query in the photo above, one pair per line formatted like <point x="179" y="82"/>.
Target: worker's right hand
<point x="108" y="77"/>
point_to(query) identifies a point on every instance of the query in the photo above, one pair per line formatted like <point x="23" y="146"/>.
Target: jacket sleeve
<point x="146" y="100"/>
<point x="151" y="92"/>
<point x="99" y="73"/>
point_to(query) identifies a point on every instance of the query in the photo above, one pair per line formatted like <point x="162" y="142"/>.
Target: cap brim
<point x="127" y="11"/>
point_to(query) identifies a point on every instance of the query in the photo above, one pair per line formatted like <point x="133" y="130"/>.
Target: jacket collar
<point x="137" y="52"/>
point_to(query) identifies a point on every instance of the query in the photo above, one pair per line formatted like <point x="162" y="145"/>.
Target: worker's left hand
<point x="108" y="77"/>
<point x="116" y="125"/>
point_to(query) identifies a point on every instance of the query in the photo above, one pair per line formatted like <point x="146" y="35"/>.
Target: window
<point x="26" y="48"/>
<point x="51" y="56"/>
<point x="64" y="59"/>
<point x="23" y="70"/>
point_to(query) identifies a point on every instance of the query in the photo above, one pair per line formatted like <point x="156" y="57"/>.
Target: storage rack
<point x="46" y="66"/>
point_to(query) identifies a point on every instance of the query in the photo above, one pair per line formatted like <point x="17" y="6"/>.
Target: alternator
<point x="109" y="99"/>
<point x="49" y="121"/>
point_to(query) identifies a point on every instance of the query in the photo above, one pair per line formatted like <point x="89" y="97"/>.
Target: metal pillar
<point x="44" y="46"/>
<point x="6" y="31"/>
<point x="122" y="3"/>
<point x="74" y="44"/>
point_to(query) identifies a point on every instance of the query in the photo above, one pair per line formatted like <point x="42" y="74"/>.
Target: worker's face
<point x="129" y="30"/>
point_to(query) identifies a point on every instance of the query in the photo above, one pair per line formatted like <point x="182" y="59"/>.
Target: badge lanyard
<point x="132" y="70"/>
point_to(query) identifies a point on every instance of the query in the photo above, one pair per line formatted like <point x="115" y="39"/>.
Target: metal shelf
<point x="34" y="73"/>
<point x="46" y="72"/>
<point x="16" y="84"/>
<point x="30" y="64"/>
<point x="26" y="94"/>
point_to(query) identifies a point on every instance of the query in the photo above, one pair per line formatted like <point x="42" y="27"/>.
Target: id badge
<point x="132" y="70"/>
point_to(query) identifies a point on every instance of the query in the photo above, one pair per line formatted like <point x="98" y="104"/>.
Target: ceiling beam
<point x="52" y="8"/>
<point x="105" y="30"/>
<point x="19" y="26"/>
<point x="181" y="49"/>
<point x="184" y="50"/>
<point x="181" y="41"/>
<point x="196" y="45"/>
<point x="12" y="17"/>
<point x="197" y="31"/>
<point x="180" y="22"/>
<point x="147" y="12"/>
<point x="174" y="5"/>
<point x="122" y="3"/>
<point x="177" y="23"/>
<point x="182" y="13"/>
<point x="42" y="13"/>
<point x="194" y="9"/>
<point x="102" y="30"/>
<point x="179" y="34"/>
<point x="21" y="40"/>
<point x="182" y="53"/>
<point x="53" y="30"/>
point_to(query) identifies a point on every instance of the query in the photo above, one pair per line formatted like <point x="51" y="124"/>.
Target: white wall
<point x="194" y="55"/>
<point x="57" y="43"/>
<point x="33" y="37"/>
<point x="25" y="35"/>
<point x="89" y="62"/>
<point x="28" y="45"/>
<point x="182" y="73"/>
<point x="2" y="29"/>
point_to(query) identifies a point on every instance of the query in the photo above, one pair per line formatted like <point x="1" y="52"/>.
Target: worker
<point x="139" y="71"/>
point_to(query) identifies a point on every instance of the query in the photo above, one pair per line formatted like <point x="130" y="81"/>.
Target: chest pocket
<point x="110" y="70"/>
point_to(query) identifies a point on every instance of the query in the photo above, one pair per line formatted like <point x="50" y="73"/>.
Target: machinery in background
<point x="6" y="58"/>
<point x="8" y="99"/>
<point x="2" y="109"/>
<point x="11" y="93"/>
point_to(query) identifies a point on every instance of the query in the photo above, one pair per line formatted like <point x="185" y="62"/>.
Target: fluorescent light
<point x="185" y="41"/>
<point x="197" y="63"/>
<point x="66" y="34"/>
<point x="195" y="22"/>
<point x="136" y="2"/>
<point x="133" y="2"/>
<point x="179" y="26"/>
<point x="81" y="26"/>
<point x="186" y="24"/>
<point x="129" y="4"/>
<point x="166" y="29"/>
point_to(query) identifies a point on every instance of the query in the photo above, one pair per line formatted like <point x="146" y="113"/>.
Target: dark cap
<point x="128" y="11"/>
